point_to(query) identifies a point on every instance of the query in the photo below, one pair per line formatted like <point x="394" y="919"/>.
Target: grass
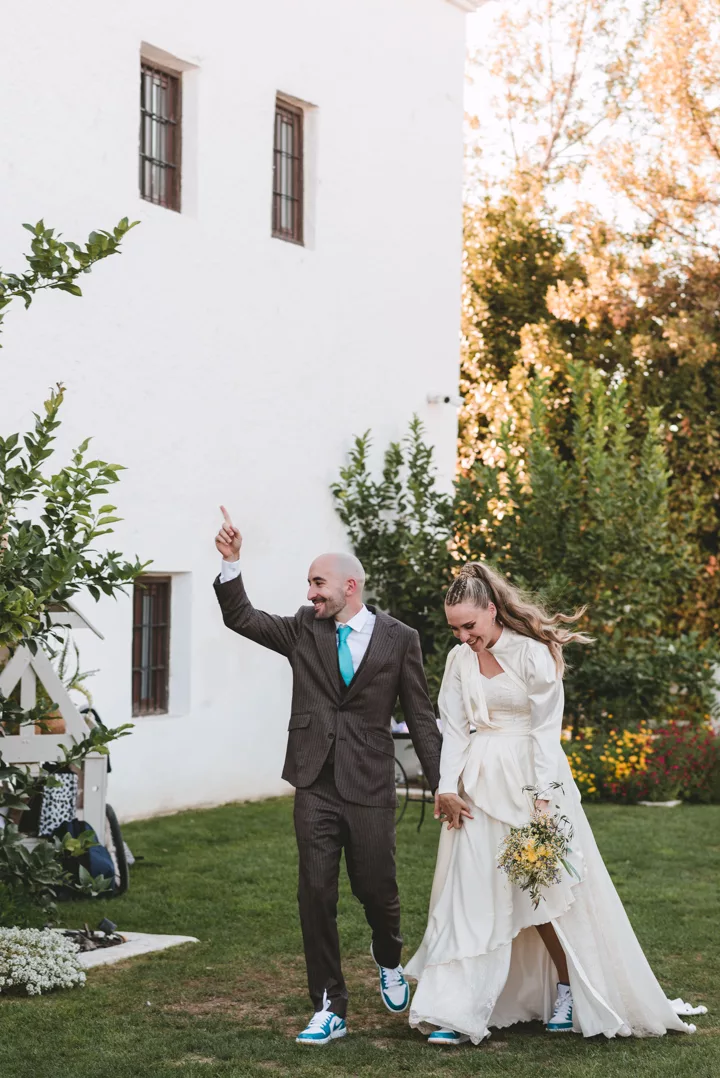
<point x="231" y="1005"/>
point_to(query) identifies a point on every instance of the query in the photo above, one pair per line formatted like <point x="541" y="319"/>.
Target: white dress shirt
<point x="362" y="624"/>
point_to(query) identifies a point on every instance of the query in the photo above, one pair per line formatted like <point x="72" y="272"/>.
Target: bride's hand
<point x="452" y="808"/>
<point x="543" y="806"/>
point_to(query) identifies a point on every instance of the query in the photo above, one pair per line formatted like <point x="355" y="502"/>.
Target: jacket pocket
<point x="298" y="722"/>
<point x="381" y="743"/>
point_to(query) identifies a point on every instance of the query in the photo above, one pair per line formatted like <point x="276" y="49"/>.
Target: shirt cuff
<point x="447" y="786"/>
<point x="229" y="570"/>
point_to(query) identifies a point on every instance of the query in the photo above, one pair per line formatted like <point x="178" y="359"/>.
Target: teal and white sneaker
<point x="323" y="1027"/>
<point x="394" y="989"/>
<point x="562" y="1019"/>
<point x="447" y="1036"/>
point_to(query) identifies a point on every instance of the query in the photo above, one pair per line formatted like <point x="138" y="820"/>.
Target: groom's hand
<point x="452" y="808"/>
<point x="228" y="540"/>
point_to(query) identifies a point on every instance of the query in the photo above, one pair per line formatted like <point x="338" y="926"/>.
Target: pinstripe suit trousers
<point x="325" y="825"/>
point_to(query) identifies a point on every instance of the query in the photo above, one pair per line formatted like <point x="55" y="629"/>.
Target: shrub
<point x="683" y="764"/>
<point x="582" y="521"/>
<point x="674" y="761"/>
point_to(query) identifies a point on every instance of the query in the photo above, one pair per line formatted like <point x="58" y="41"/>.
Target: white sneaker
<point x="323" y="1027"/>
<point x="447" y="1036"/>
<point x="394" y="989"/>
<point x="562" y="1018"/>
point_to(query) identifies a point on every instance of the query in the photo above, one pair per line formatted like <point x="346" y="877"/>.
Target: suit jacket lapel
<point x="380" y="648"/>
<point x="324" y="633"/>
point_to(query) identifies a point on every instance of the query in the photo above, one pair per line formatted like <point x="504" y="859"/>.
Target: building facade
<point x="296" y="169"/>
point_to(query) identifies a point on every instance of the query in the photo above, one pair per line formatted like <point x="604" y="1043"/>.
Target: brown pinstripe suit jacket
<point x="353" y="719"/>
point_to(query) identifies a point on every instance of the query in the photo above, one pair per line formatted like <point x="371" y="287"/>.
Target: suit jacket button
<point x="331" y="736"/>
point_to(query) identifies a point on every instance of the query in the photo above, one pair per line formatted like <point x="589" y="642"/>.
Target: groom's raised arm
<point x="418" y="711"/>
<point x="271" y="630"/>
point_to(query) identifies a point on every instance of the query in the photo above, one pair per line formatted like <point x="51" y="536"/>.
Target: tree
<point x="547" y="64"/>
<point x="58" y="265"/>
<point x="666" y="85"/>
<point x="586" y="519"/>
<point x="47" y="559"/>
<point x="401" y="527"/>
<point x="597" y="97"/>
<point x="48" y="525"/>
<point x="535" y="303"/>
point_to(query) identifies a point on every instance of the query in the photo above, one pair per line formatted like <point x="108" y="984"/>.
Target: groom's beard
<point x="328" y="608"/>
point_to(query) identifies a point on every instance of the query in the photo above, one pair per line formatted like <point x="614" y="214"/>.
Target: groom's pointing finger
<point x="225" y="513"/>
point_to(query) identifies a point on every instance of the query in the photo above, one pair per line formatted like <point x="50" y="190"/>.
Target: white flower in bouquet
<point x="38" y="960"/>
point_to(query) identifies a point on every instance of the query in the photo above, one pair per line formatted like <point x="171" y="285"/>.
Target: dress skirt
<point x="482" y="964"/>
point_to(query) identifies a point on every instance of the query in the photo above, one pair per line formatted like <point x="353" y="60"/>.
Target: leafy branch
<point x="55" y="264"/>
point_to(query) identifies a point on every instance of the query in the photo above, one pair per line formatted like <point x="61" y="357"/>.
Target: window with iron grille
<point x="287" y="221"/>
<point x="160" y="129"/>
<point x="151" y="645"/>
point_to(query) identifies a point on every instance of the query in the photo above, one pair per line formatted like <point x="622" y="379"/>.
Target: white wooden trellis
<point x="32" y="748"/>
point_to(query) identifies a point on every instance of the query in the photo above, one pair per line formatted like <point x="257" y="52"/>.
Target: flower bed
<point x="674" y="761"/>
<point x="36" y="960"/>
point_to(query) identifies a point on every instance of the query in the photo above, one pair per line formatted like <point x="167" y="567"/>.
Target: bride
<point x="488" y="958"/>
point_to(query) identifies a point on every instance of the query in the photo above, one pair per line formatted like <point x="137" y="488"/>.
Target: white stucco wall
<point x="217" y="363"/>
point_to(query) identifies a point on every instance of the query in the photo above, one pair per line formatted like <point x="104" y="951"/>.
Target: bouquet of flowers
<point x="533" y="855"/>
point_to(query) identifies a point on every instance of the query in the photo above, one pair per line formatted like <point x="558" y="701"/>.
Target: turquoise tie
<point x="345" y="660"/>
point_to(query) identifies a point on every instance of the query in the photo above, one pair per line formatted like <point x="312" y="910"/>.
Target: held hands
<point x="228" y="540"/>
<point x="452" y="808"/>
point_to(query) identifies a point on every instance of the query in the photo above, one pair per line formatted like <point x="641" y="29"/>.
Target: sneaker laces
<point x="318" y="1020"/>
<point x="563" y="1006"/>
<point x="392" y="978"/>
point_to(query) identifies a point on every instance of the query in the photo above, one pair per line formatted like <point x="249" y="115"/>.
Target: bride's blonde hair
<point x="480" y="585"/>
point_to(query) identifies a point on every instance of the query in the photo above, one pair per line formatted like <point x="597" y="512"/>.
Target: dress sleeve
<point x="455" y="727"/>
<point x="547" y="700"/>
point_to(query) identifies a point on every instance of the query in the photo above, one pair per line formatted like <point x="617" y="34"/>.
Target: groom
<point x="350" y="664"/>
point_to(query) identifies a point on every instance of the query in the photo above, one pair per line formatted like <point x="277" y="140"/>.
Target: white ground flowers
<point x="38" y="960"/>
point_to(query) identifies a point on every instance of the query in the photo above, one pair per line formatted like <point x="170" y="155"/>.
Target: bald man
<point x="351" y="664"/>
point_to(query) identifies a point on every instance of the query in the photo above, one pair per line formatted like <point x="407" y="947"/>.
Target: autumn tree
<point x="551" y="279"/>
<point x="666" y="88"/>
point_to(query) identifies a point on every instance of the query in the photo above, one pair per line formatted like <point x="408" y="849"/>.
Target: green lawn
<point x="231" y="1005"/>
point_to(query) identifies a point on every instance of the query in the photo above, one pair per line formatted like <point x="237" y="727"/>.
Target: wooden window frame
<point x="173" y="161"/>
<point x="295" y="233"/>
<point x="151" y="679"/>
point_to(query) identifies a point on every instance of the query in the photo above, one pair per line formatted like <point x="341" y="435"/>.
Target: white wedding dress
<point x="481" y="962"/>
